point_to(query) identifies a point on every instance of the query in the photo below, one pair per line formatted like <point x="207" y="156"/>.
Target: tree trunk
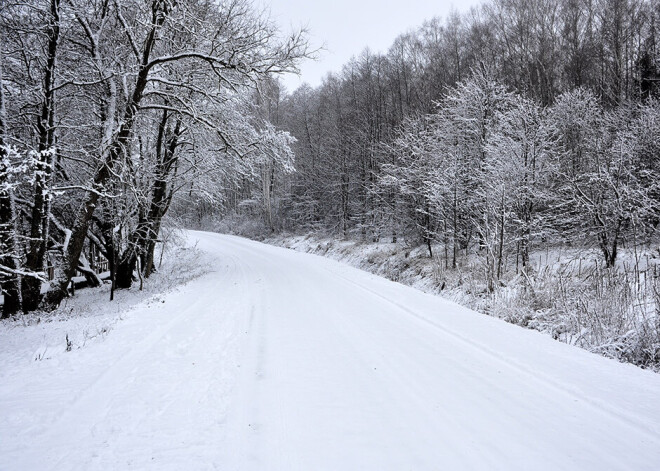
<point x="107" y="231"/>
<point x="268" y="172"/>
<point x="500" y="248"/>
<point x="428" y="229"/>
<point x="609" y="245"/>
<point x="125" y="269"/>
<point x="143" y="241"/>
<point x="455" y="246"/>
<point x="524" y="243"/>
<point x="149" y="266"/>
<point x="11" y="282"/>
<point x="90" y="275"/>
<point x="39" y="226"/>
<point x="344" y="201"/>
<point x="609" y="251"/>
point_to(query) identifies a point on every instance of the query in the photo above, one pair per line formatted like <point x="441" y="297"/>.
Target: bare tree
<point x="233" y="46"/>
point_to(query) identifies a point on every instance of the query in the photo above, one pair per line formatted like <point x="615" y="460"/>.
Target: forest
<point x="490" y="139"/>
<point x="110" y="110"/>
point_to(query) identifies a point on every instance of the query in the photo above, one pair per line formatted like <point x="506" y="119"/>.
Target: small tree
<point x="410" y="175"/>
<point x="601" y="187"/>
<point x="519" y="164"/>
<point x="473" y="109"/>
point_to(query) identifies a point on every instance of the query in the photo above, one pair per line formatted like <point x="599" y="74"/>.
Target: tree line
<point x="516" y="125"/>
<point x="113" y="111"/>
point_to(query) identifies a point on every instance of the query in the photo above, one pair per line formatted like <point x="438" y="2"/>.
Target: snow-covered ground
<point x="568" y="294"/>
<point x="279" y="360"/>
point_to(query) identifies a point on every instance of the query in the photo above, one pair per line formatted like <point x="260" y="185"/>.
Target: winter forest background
<point x="508" y="156"/>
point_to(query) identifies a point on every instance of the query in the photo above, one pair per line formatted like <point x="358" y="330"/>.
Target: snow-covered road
<point x="286" y="361"/>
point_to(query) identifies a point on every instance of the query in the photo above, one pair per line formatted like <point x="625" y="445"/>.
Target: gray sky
<point x="346" y="27"/>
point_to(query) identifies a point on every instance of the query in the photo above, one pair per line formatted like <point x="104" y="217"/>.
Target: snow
<point x="279" y="360"/>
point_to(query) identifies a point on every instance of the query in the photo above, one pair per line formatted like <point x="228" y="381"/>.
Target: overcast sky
<point x="346" y="27"/>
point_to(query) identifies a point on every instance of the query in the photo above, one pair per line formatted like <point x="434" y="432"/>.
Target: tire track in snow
<point x="512" y="363"/>
<point x="546" y="386"/>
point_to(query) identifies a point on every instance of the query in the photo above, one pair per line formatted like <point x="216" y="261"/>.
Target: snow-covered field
<point x="279" y="360"/>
